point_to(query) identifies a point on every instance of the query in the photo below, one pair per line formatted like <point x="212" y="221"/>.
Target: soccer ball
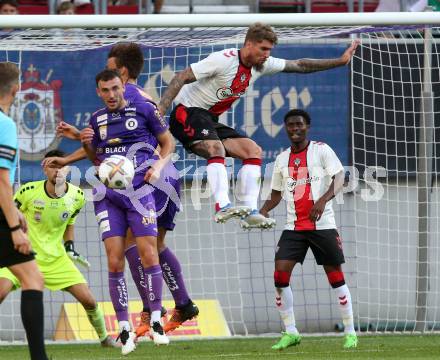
<point x="116" y="172"/>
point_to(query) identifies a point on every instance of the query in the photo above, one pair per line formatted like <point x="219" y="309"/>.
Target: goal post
<point x="379" y="114"/>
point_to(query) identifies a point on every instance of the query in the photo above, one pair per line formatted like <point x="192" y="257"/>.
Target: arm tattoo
<point x="184" y="77"/>
<point x="311" y="65"/>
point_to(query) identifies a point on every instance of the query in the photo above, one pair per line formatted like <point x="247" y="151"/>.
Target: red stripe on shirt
<point x="302" y="193"/>
<point x="238" y="87"/>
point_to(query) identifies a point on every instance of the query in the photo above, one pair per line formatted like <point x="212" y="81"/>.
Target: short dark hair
<point x="13" y="3"/>
<point x="298" y="112"/>
<point x="130" y="55"/>
<point x="258" y="32"/>
<point x="55" y="152"/>
<point x="106" y="75"/>
<point x="9" y="76"/>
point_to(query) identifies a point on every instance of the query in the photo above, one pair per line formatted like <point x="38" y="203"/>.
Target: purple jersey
<point x="131" y="131"/>
<point x="134" y="93"/>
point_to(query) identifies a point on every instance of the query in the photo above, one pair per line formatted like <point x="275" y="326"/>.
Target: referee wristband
<point x="15" y="228"/>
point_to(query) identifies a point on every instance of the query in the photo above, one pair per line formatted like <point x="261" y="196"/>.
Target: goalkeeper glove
<point x="73" y="255"/>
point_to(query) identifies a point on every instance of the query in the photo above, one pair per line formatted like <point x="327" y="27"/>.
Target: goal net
<point x="379" y="114"/>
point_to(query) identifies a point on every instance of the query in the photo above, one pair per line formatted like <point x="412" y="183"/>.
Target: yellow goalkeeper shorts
<point x="58" y="275"/>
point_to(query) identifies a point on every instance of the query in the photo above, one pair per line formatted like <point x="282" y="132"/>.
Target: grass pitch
<point x="370" y="347"/>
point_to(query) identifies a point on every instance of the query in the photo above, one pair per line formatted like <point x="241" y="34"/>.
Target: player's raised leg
<point x="336" y="279"/>
<point x="249" y="180"/>
<point x="284" y="303"/>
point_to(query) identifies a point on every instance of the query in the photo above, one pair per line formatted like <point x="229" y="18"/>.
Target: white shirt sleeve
<point x="330" y="161"/>
<point x="273" y="66"/>
<point x="277" y="177"/>
<point x="207" y="67"/>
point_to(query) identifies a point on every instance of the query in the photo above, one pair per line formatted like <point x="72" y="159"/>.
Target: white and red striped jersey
<point x="222" y="79"/>
<point x="303" y="177"/>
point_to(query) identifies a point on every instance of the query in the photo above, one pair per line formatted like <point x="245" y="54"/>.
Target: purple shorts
<point x="167" y="197"/>
<point x="117" y="212"/>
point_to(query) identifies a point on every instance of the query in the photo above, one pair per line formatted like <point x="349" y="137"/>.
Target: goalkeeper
<point x="50" y="207"/>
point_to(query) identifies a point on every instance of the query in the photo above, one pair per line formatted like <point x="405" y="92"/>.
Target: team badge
<point x="103" y="132"/>
<point x="297" y="162"/>
<point x="243" y="77"/>
<point x="38" y="106"/>
<point x="64" y="215"/>
<point x="131" y="124"/>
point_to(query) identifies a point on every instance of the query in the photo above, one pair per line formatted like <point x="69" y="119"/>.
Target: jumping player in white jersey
<point x="208" y="88"/>
<point x="307" y="175"/>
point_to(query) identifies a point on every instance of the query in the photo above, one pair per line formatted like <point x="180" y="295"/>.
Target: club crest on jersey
<point x="64" y="215"/>
<point x="296" y="162"/>
<point x="103" y="132"/>
<point x="38" y="105"/>
<point x="131" y="124"/>
<point x="243" y="78"/>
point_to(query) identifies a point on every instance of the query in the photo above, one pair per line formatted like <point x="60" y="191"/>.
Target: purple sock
<point x="172" y="274"/>
<point x="153" y="274"/>
<point x="118" y="294"/>
<point x="137" y="273"/>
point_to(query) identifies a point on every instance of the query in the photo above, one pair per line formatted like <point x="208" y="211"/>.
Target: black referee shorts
<point x="326" y="246"/>
<point x="8" y="255"/>
<point x="192" y="125"/>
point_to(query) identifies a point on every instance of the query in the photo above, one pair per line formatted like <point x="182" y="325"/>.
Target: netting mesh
<point x="381" y="237"/>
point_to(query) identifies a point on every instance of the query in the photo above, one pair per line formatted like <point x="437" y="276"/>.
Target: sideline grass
<point x="370" y="347"/>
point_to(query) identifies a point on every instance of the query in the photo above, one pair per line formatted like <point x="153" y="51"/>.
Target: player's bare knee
<point x="34" y="281"/>
<point x="281" y="278"/>
<point x="89" y="302"/>
<point x="115" y="263"/>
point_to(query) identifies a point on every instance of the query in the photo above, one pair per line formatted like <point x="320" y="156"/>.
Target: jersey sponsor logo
<point x="224" y="93"/>
<point x="103" y="132"/>
<point x="291" y="183"/>
<point x="131" y="124"/>
<point x="38" y="105"/>
<point x="54" y="204"/>
<point x="39" y="202"/>
<point x="115" y="150"/>
<point x="130" y="109"/>
<point x="130" y="114"/>
<point x="150" y="219"/>
<point x="114" y="141"/>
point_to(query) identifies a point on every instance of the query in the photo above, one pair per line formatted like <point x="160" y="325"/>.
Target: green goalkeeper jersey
<point x="48" y="217"/>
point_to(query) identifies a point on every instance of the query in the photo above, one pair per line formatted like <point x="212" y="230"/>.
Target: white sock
<point x="284" y="301"/>
<point x="346" y="308"/>
<point x="155" y="316"/>
<point x="124" y="325"/>
<point x="218" y="181"/>
<point x="250" y="181"/>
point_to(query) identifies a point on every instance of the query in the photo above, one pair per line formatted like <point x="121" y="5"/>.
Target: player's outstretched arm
<point x="87" y="135"/>
<point x="68" y="131"/>
<point x="70" y="248"/>
<point x="313" y="65"/>
<point x="167" y="147"/>
<point x="271" y="203"/>
<point x="184" y="77"/>
<point x="77" y="155"/>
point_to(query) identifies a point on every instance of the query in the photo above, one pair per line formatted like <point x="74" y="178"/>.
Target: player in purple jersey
<point x="128" y="59"/>
<point x="117" y="129"/>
